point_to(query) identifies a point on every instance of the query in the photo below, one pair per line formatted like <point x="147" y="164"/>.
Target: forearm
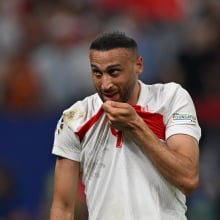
<point x="65" y="189"/>
<point x="179" y="169"/>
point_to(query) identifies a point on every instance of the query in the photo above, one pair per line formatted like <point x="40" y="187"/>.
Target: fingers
<point x="113" y="111"/>
<point x="106" y="105"/>
<point x="110" y="110"/>
<point x="119" y="114"/>
<point x="117" y="110"/>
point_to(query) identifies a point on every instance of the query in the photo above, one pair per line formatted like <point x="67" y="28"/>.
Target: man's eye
<point x="96" y="73"/>
<point x="114" y="72"/>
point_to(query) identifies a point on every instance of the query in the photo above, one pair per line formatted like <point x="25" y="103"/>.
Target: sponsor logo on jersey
<point x="184" y="118"/>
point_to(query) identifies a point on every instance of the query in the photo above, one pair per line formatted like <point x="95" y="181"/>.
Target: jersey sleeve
<point x="182" y="118"/>
<point x="66" y="142"/>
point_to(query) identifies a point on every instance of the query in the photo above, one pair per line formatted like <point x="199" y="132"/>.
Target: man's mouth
<point x="111" y="97"/>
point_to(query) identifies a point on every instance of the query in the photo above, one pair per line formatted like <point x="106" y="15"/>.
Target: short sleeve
<point x="66" y="142"/>
<point x="182" y="118"/>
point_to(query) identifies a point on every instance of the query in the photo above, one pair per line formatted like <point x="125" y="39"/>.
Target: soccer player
<point x="136" y="145"/>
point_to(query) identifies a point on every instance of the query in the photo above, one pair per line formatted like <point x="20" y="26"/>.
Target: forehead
<point x="110" y="56"/>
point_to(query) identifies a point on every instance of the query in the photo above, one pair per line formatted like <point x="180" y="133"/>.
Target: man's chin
<point x="104" y="99"/>
<point x="115" y="100"/>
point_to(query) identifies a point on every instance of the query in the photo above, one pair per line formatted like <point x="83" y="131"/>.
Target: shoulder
<point x="161" y="91"/>
<point x="169" y="88"/>
<point x="82" y="110"/>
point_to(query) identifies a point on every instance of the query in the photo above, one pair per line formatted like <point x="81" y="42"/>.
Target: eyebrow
<point x="108" y="67"/>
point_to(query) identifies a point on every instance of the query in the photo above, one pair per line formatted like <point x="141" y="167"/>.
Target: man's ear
<point x="139" y="65"/>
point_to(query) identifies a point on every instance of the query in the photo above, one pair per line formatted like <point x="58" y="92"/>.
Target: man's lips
<point x="109" y="96"/>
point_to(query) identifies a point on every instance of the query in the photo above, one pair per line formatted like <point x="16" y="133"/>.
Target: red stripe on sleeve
<point x="82" y="131"/>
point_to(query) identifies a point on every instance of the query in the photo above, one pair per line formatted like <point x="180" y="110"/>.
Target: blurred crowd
<point x="44" y="64"/>
<point x="44" y="45"/>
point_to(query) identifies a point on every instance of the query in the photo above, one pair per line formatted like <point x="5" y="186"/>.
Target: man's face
<point x="115" y="74"/>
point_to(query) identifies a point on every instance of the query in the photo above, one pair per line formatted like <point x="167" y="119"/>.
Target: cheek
<point x="96" y="82"/>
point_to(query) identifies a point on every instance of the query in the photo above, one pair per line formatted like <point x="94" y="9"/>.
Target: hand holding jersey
<point x="121" y="116"/>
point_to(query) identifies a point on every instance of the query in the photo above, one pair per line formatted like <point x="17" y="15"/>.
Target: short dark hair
<point x="112" y="40"/>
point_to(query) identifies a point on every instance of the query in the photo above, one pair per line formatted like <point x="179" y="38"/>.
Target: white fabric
<point x="121" y="183"/>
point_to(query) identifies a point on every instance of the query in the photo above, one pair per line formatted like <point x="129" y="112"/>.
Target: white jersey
<point x="121" y="182"/>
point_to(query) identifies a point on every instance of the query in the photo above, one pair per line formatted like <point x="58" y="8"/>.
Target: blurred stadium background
<point x="44" y="69"/>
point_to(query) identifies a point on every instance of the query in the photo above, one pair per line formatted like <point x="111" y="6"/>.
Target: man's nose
<point x="106" y="82"/>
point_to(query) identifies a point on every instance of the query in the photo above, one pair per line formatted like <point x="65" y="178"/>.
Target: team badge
<point x="60" y="126"/>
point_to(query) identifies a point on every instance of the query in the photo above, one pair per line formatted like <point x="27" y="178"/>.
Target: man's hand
<point x="121" y="116"/>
